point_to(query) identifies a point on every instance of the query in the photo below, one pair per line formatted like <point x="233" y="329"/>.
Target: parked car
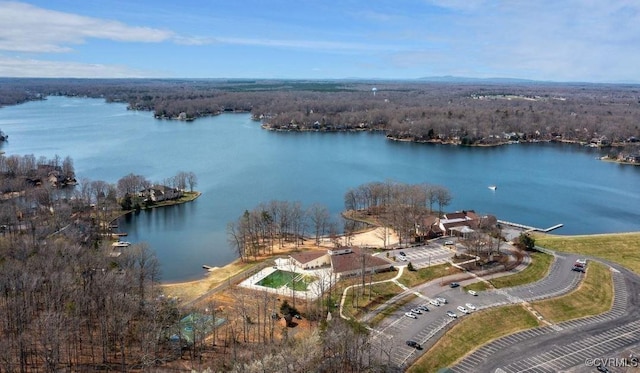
<point x="414" y="344"/>
<point x="452" y="314"/>
<point x="454" y="285"/>
<point x="403" y="258"/>
<point x="471" y="306"/>
<point x="463" y="310"/>
<point x="434" y="302"/>
<point x="602" y="368"/>
<point x="402" y="253"/>
<point x="448" y="243"/>
<point x="416" y="311"/>
<point x="473" y="292"/>
<point x="423" y="308"/>
<point x="441" y="300"/>
<point x="411" y="315"/>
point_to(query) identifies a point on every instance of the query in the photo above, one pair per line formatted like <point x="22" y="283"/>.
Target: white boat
<point x="493" y="187"/>
<point x="121" y="244"/>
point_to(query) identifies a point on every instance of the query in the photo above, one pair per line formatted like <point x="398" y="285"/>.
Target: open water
<point x="239" y="165"/>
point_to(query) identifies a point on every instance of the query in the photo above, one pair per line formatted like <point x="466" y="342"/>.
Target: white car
<point x="416" y="311"/>
<point x="434" y="302"/>
<point x="452" y="314"/>
<point x="411" y="315"/>
<point x="462" y="309"/>
<point x="471" y="306"/>
<point x="473" y="292"/>
<point x="402" y="258"/>
<point x="441" y="300"/>
<point x="448" y="243"/>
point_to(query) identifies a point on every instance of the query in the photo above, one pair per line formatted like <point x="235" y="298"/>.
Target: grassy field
<point x="473" y="331"/>
<point x="622" y="248"/>
<point x="357" y="304"/>
<point x="413" y="278"/>
<point x="477" y="286"/>
<point x="593" y="297"/>
<point x="391" y="309"/>
<point x="537" y="270"/>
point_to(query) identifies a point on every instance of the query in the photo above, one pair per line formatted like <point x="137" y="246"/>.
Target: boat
<point x="121" y="244"/>
<point x="493" y="187"/>
<point x="3" y="136"/>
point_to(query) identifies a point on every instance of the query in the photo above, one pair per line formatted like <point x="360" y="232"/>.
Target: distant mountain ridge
<point x="462" y="79"/>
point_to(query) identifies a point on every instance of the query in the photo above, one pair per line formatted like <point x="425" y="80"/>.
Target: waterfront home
<point x="159" y="193"/>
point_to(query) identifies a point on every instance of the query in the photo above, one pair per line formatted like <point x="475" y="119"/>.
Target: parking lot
<point x="430" y="254"/>
<point x="398" y="328"/>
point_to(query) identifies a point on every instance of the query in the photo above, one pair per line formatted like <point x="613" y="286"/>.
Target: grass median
<point x="593" y="297"/>
<point x="422" y="275"/>
<point x="473" y="331"/>
<point x="537" y="270"/>
<point x="621" y="248"/>
<point x="357" y="304"/>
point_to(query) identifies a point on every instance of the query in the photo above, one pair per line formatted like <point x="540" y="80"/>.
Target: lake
<point x="239" y="165"/>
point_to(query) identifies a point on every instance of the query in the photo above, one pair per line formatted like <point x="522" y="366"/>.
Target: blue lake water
<point x="240" y="165"/>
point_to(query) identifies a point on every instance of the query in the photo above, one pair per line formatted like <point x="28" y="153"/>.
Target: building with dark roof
<point x="344" y="261"/>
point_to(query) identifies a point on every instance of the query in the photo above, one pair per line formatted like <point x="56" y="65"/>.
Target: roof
<point x="353" y="261"/>
<point x="307" y="256"/>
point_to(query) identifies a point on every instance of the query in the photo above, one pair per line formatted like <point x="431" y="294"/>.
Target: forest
<point x="70" y="301"/>
<point x="462" y="113"/>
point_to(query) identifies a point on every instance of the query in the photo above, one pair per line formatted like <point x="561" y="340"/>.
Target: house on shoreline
<point x="159" y="193"/>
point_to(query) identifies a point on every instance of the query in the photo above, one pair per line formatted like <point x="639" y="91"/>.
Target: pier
<point x="530" y="228"/>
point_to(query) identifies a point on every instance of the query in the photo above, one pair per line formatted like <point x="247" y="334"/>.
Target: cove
<point x="239" y="165"/>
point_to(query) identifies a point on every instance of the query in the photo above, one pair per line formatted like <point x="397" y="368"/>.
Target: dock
<point x="530" y="228"/>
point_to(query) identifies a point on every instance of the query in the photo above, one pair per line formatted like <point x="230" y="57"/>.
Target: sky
<point x="548" y="40"/>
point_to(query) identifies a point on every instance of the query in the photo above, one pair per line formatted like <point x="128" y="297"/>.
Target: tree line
<point x="67" y="300"/>
<point x="459" y="113"/>
<point x="276" y="223"/>
<point x="398" y="205"/>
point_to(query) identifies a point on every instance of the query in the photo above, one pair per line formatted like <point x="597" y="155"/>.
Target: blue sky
<point x="554" y="40"/>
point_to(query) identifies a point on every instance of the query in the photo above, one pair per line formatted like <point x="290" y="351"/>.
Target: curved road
<point x="571" y="345"/>
<point x="540" y="345"/>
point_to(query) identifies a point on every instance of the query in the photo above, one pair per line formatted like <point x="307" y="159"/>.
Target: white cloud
<point x="27" y="28"/>
<point x="22" y="68"/>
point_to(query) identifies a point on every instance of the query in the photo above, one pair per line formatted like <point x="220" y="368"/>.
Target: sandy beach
<point x="190" y="290"/>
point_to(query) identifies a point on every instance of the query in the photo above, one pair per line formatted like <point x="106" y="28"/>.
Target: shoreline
<point x="180" y="201"/>
<point x="206" y="286"/>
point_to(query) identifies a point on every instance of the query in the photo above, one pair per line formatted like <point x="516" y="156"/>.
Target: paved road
<point x="390" y="336"/>
<point x="568" y="346"/>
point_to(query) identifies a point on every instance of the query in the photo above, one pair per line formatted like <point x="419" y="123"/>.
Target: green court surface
<point x="280" y="278"/>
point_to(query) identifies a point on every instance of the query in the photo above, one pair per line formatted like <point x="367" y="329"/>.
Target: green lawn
<point x="477" y="286"/>
<point x="593" y="297"/>
<point x="537" y="270"/>
<point x="473" y="331"/>
<point x="621" y="248"/>
<point x="357" y="304"/>
<point x="413" y="278"/>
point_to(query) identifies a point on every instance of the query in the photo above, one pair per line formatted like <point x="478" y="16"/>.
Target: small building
<point x="344" y="261"/>
<point x="310" y="259"/>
